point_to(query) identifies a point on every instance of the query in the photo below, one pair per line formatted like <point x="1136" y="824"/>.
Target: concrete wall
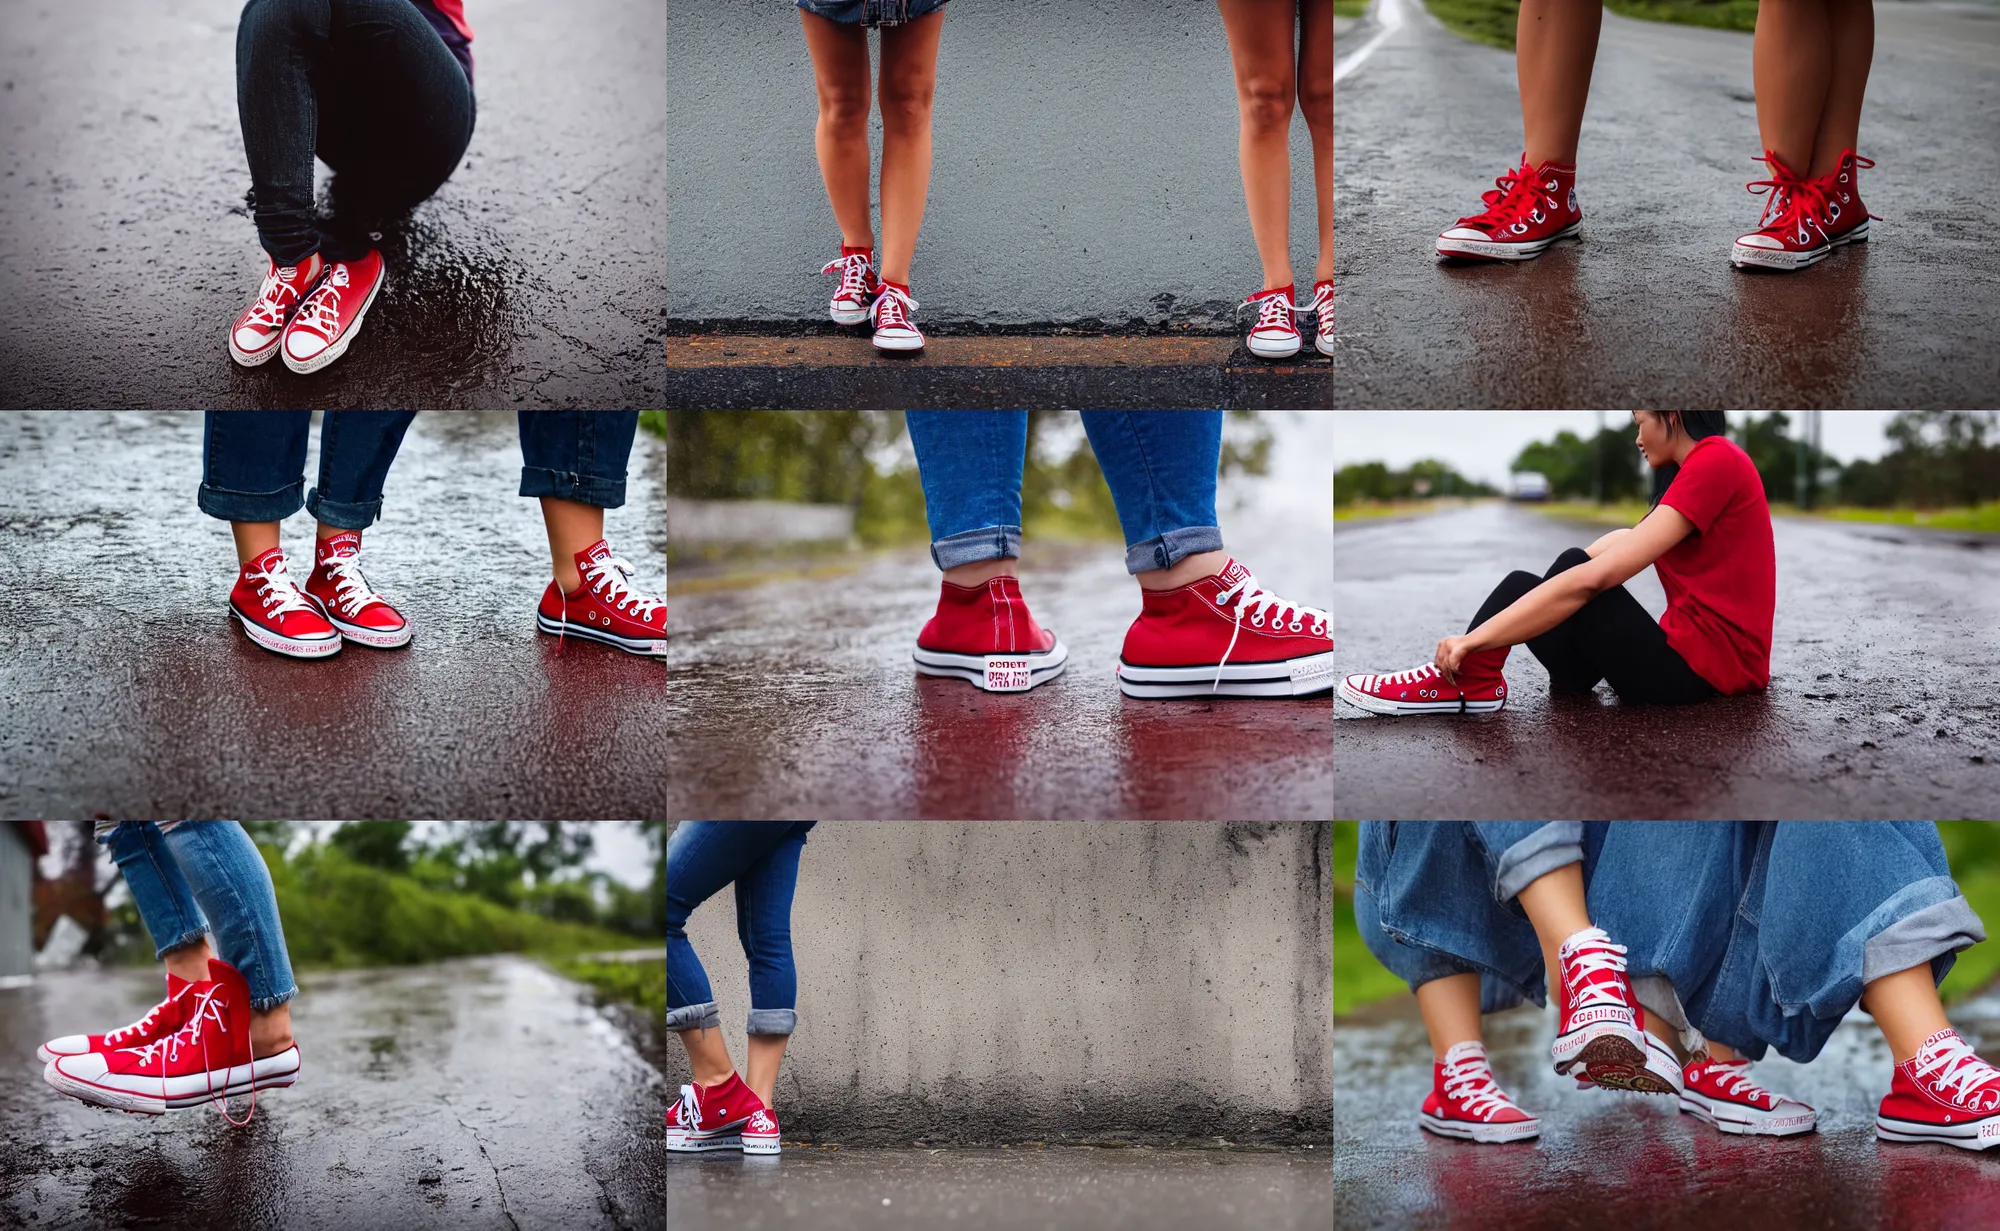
<point x="964" y="982"/>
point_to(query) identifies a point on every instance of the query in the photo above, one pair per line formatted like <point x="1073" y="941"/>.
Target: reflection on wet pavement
<point x="132" y="693"/>
<point x="479" y="1093"/>
<point x="1880" y="704"/>
<point x="1633" y="1161"/>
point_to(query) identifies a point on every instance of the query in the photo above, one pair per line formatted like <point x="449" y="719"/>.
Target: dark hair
<point x="1699" y="425"/>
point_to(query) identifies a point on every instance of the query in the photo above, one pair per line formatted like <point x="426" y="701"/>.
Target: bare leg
<point x="766" y="1053"/>
<point x="1906" y="1006"/>
<point x="707" y="1055"/>
<point x="253" y="539"/>
<point x="1554" y="902"/>
<point x="1792" y="68"/>
<point x="979" y="572"/>
<point x="1852" y="23"/>
<point x="1555" y="46"/>
<point x="270" y="1030"/>
<point x="189" y="962"/>
<point x="1451" y="1011"/>
<point x="1260" y="45"/>
<point x="1316" y="102"/>
<point x="1190" y="569"/>
<point x="840" y="76"/>
<point x="326" y="532"/>
<point x="909" y="80"/>
<point x="571" y="528"/>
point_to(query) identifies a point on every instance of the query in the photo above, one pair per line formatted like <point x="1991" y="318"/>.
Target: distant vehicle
<point x="1528" y="485"/>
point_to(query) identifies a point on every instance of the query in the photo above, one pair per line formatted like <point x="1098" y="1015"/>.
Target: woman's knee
<point x="1569" y="560"/>
<point x="844" y="110"/>
<point x="1266" y="101"/>
<point x="1316" y="104"/>
<point x="304" y="17"/>
<point x="906" y="105"/>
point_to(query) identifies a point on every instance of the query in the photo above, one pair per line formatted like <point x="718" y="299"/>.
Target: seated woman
<point x="1708" y="537"/>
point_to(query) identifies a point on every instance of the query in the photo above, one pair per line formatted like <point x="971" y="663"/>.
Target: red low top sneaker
<point x="207" y="1058"/>
<point x="276" y="615"/>
<point x="1944" y="1093"/>
<point x="858" y="285"/>
<point x="253" y="339"/>
<point x="1791" y="232"/>
<point x="1531" y="208"/>
<point x="984" y="635"/>
<point x="163" y="1018"/>
<point x="342" y="595"/>
<point x="719" y="1118"/>
<point x="1226" y="636"/>
<point x="1846" y="217"/>
<point x="1720" y="1092"/>
<point x="1276" y="333"/>
<point x="1322" y="310"/>
<point x="895" y="329"/>
<point x="1597" y="1014"/>
<point x="1424" y="690"/>
<point x="605" y="607"/>
<point x="1465" y="1102"/>
<point x="327" y="321"/>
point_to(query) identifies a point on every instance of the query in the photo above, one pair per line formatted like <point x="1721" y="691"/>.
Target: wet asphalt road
<point x="1084" y="169"/>
<point x="1064" y="1189"/>
<point x="796" y="698"/>
<point x="132" y="692"/>
<point x="1633" y="1161"/>
<point x="482" y="1093"/>
<point x="532" y="279"/>
<point x="1880" y="706"/>
<point x="1647" y="307"/>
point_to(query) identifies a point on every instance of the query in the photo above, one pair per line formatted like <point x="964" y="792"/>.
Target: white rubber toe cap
<point x="68" y="1045"/>
<point x="89" y="1066"/>
<point x="1757" y="239"/>
<point x="303" y="345"/>
<point x="1467" y="233"/>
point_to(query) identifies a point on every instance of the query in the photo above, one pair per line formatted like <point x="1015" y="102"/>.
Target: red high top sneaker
<point x="1226" y="636"/>
<point x="1322" y="311"/>
<point x="984" y="635"/>
<point x="1944" y="1093"/>
<point x="718" y="1118"/>
<point x="331" y="314"/>
<point x="1480" y="688"/>
<point x="1720" y="1092"/>
<point x="207" y="1058"/>
<point x="894" y="327"/>
<point x="1598" y="1020"/>
<point x="1276" y="333"/>
<point x="253" y="339"/>
<point x="1791" y="232"/>
<point x="1661" y="1074"/>
<point x="1846" y="217"/>
<point x="342" y="595"/>
<point x="1465" y="1102"/>
<point x="163" y="1018"/>
<point x="275" y="615"/>
<point x="1530" y="209"/>
<point x="858" y="285"/>
<point x="605" y="607"/>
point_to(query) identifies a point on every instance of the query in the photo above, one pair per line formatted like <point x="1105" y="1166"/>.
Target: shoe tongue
<point x="1232" y="573"/>
<point x="265" y="562"/>
<point x="1937" y="1038"/>
<point x="346" y="543"/>
<point x="1471" y="1049"/>
<point x="1588" y="936"/>
<point x="600" y="550"/>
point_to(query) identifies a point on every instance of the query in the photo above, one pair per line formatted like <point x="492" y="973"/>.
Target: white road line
<point x="1389" y="16"/>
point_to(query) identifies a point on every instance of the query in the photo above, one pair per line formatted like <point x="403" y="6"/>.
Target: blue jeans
<point x="1159" y="464"/>
<point x="1757" y="934"/>
<point x="762" y="857"/>
<point x="253" y="464"/>
<point x="871" y="12"/>
<point x="577" y="455"/>
<point x="191" y="879"/>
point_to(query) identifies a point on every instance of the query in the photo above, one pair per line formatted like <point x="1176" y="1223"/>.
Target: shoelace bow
<point x="167" y="1050"/>
<point x="612" y="577"/>
<point x="350" y="588"/>
<point x="280" y="594"/>
<point x="1790" y="203"/>
<point x="1471" y="1083"/>
<point x="892" y="307"/>
<point x="690" y="1109"/>
<point x="321" y="310"/>
<point x="1254" y="598"/>
<point x="853" y="270"/>
<point x="1273" y="312"/>
<point x="1955" y="1064"/>
<point x="1516" y="198"/>
<point x="1598" y="956"/>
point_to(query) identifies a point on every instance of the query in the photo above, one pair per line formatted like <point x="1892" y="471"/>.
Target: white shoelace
<point x="144" y="1023"/>
<point x="321" y="310"/>
<point x="1273" y="312"/>
<point x="1415" y="675"/>
<point x="611" y="577"/>
<point x="690" y="1109"/>
<point x="853" y="270"/>
<point x="168" y="1049"/>
<point x="1735" y="1080"/>
<point x="277" y="590"/>
<point x="1253" y="598"/>
<point x="1470" y="1082"/>
<point x="1594" y="956"/>
<point x="1951" y="1062"/>
<point x="892" y="308"/>
<point x="350" y="588"/>
<point x="269" y="308"/>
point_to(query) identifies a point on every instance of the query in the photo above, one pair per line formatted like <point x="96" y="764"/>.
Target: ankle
<point x="979" y="572"/>
<point x="269" y="1042"/>
<point x="710" y="1080"/>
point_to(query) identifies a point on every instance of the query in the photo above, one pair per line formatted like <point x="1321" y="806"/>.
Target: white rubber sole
<point x="1379" y="705"/>
<point x="1975" y="1135"/>
<point x="1485" y="1134"/>
<point x="1323" y="340"/>
<point x="1744" y="1121"/>
<point x="179" y="1093"/>
<point x="46" y="1056"/>
<point x="646" y="647"/>
<point x="374" y="638"/>
<point x="898" y="344"/>
<point x="1294" y="677"/>
<point x="995" y="672"/>
<point x="1271" y="350"/>
<point x="760" y="1145"/>
<point x="1743" y="257"/>
<point x="254" y="359"/>
<point x="1492" y="250"/>
<point x="1859" y="235"/>
<point x="847" y="317"/>
<point x="1606" y="1044"/>
<point x="290" y="647"/>
<point x="680" y="1141"/>
<point x="305" y="367"/>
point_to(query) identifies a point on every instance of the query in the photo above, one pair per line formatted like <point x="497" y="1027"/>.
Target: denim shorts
<point x="871" y="12"/>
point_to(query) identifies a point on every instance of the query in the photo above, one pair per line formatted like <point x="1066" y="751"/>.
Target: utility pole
<point x="1815" y="456"/>
<point x="1597" y="460"/>
<point x="1800" y="463"/>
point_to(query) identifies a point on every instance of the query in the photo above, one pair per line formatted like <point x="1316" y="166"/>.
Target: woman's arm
<point x="1616" y="558"/>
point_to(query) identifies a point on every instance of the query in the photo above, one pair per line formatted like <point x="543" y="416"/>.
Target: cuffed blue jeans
<point x="192" y="879"/>
<point x="1159" y="464"/>
<point x="577" y="455"/>
<point x="762" y="858"/>
<point x="253" y="464"/>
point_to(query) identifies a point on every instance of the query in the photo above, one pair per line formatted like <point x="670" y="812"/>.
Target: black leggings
<point x="1609" y="638"/>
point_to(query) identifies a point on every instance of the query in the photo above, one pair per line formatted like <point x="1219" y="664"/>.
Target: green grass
<point x="1483" y="21"/>
<point x="1362" y="510"/>
<point x="642" y="984"/>
<point x="1622" y="514"/>
<point x="1358" y="979"/>
<point x="1985" y="517"/>
<point x="654" y="421"/>
<point x="1349" y="8"/>
<point x="1492" y="21"/>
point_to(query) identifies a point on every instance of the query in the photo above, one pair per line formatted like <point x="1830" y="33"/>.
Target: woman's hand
<point x="1451" y="654"/>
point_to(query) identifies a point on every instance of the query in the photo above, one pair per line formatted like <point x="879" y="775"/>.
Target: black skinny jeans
<point x="1609" y="638"/>
<point x="368" y="86"/>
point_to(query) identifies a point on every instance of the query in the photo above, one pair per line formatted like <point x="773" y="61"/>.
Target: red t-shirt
<point x="1722" y="580"/>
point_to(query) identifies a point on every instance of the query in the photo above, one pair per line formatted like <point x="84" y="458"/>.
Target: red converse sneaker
<point x="163" y="1018"/>
<point x="1661" y="1074"/>
<point x="1424" y="690"/>
<point x="274" y="613"/>
<point x="1276" y="333"/>
<point x="1226" y="636"/>
<point x="894" y="330"/>
<point x="1945" y="1094"/>
<point x="331" y="315"/>
<point x="1465" y="1102"/>
<point x="1598" y="1018"/>
<point x="984" y="635"/>
<point x="1791" y="232"/>
<point x="1720" y="1092"/>
<point x="760" y="1134"/>
<point x="342" y="595"/>
<point x="253" y="339"/>
<point x="858" y="285"/>
<point x="605" y="607"/>
<point x="206" y="1059"/>
<point x="714" y="1118"/>
<point x="1530" y="209"/>
<point x="1846" y="217"/>
<point x="1322" y="310"/>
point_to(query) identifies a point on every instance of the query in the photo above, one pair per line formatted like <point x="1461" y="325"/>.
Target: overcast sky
<point x="1480" y="443"/>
